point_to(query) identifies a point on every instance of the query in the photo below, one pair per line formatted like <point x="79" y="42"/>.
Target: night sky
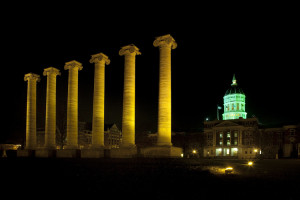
<point x="261" y="47"/>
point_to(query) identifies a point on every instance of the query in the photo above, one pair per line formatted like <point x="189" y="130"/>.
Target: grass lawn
<point x="150" y="178"/>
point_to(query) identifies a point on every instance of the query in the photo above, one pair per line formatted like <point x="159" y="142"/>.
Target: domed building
<point x="234" y="102"/>
<point x="237" y="136"/>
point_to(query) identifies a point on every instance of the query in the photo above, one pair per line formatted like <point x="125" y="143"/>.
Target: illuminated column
<point x="165" y="44"/>
<point x="31" y="110"/>
<point x="98" y="104"/>
<point x="50" y="125"/>
<point x="72" y="104"/>
<point x="128" y="119"/>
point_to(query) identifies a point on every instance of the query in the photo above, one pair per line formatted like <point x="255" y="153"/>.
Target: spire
<point x="234" y="81"/>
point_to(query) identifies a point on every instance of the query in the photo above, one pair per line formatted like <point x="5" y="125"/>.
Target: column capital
<point x="51" y="70"/>
<point x="100" y="57"/>
<point x="165" y="41"/>
<point x="32" y="76"/>
<point x="72" y="64"/>
<point x="129" y="49"/>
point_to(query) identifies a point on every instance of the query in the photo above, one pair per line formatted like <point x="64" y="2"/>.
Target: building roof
<point x="234" y="89"/>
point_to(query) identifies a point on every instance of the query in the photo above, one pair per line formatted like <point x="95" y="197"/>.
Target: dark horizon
<point x="260" y="51"/>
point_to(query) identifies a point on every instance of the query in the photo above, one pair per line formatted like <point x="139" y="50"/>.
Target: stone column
<point x="128" y="119"/>
<point x="31" y="110"/>
<point x="72" y="104"/>
<point x="98" y="103"/>
<point x="50" y="125"/>
<point x="165" y="44"/>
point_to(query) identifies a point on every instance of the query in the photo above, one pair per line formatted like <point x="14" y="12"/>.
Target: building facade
<point x="281" y="142"/>
<point x="112" y="136"/>
<point x="237" y="138"/>
<point x="246" y="139"/>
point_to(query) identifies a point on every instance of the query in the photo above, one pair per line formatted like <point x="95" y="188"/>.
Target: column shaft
<point x="31" y="110"/>
<point x="72" y="109"/>
<point x="100" y="60"/>
<point x="164" y="103"/>
<point x="31" y="115"/>
<point x="128" y="119"/>
<point x="98" y="105"/>
<point x="50" y="124"/>
<point x="50" y="112"/>
<point x="165" y="44"/>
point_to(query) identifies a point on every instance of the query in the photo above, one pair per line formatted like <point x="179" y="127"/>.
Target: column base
<point x="124" y="152"/>
<point x="95" y="146"/>
<point x="25" y="153"/>
<point x="164" y="144"/>
<point x="68" y="153"/>
<point x="162" y="152"/>
<point x="45" y="153"/>
<point x="73" y="147"/>
<point x="92" y="153"/>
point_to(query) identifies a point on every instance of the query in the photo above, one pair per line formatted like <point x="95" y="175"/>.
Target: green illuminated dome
<point x="234" y="102"/>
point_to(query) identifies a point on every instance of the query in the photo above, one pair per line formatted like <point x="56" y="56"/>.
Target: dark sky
<point x="260" y="46"/>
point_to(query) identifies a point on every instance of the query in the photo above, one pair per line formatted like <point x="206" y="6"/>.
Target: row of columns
<point x="165" y="44"/>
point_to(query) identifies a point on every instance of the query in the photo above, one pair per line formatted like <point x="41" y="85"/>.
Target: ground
<point x="140" y="178"/>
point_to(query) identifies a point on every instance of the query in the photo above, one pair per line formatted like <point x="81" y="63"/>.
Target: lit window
<point x="219" y="152"/>
<point x="228" y="135"/>
<point x="221" y="135"/>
